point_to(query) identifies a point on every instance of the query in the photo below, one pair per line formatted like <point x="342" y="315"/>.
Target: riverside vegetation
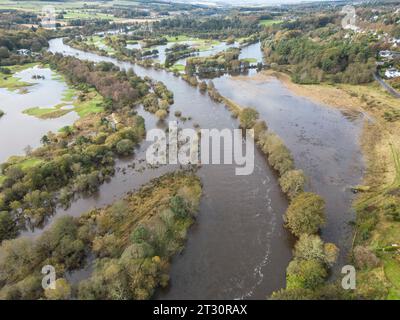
<point x="129" y="243"/>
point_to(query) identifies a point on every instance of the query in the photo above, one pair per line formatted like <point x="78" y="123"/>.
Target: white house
<point x="385" y="54"/>
<point x="392" y="73"/>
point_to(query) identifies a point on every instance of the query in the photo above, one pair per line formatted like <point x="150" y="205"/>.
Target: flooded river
<point x="323" y="141"/>
<point x="238" y="247"/>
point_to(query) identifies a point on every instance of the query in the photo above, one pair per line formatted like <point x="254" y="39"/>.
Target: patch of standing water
<point x="19" y="130"/>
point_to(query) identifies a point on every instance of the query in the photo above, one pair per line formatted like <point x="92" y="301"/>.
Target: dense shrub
<point x="331" y="253"/>
<point x="248" y="118"/>
<point x="365" y="258"/>
<point x="292" y="182"/>
<point x="334" y="59"/>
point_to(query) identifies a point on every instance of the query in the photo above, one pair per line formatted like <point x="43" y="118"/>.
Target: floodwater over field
<point x="238" y="247"/>
<point x="19" y="130"/>
<point x="324" y="143"/>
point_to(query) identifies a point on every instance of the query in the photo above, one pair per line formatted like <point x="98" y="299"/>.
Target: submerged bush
<point x="124" y="147"/>
<point x="309" y="247"/>
<point x="138" y="251"/>
<point x="305" y="214"/>
<point x="293" y="294"/>
<point x="331" y="253"/>
<point x="62" y="291"/>
<point x="281" y="159"/>
<point x="292" y="182"/>
<point x="203" y="86"/>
